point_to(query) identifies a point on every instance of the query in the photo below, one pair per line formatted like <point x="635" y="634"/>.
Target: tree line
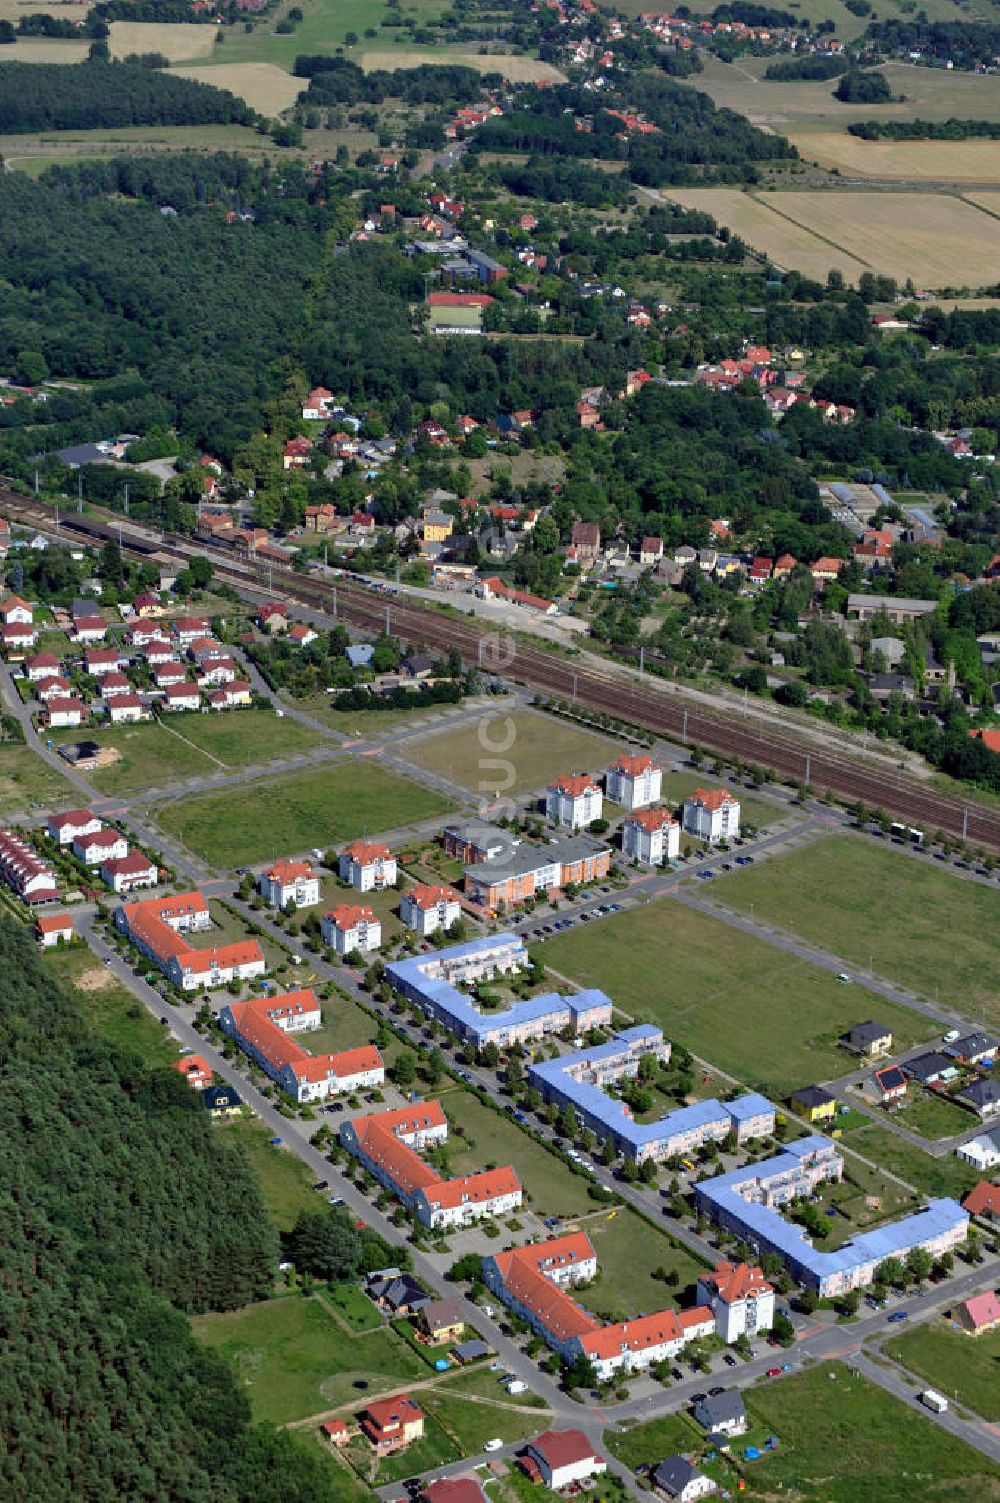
<point x="926" y="130"/>
<point x="92" y="95"/>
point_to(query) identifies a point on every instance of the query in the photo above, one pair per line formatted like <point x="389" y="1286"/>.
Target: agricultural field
<point x="280" y="816"/>
<point x="628" y="1254"/>
<point x="964" y="1368"/>
<point x="46" y="50"/>
<point x="294" y="1359"/>
<point x="936" y="239"/>
<point x="178" y="43"/>
<point x="266" y="87"/>
<point x="843" y="1440"/>
<point x="63" y="10"/>
<point x="537" y="747"/>
<point x="34" y="153"/>
<point x="877" y="906"/>
<point x="905" y="161"/>
<point x="747" y="1007"/>
<point x="285" y="1181"/>
<point x="488" y="1138"/>
<point x="27" y="782"/>
<point x="109" y="1006"/>
<point x="513" y="67"/>
<point x="324" y="27"/>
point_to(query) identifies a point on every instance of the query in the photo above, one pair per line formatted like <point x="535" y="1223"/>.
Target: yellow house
<point x="438" y="525"/>
<point x="441" y="1321"/>
<point x="814" y="1104"/>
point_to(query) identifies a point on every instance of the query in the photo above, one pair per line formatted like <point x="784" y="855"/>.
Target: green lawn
<point x="648" y="1444"/>
<point x="849" y="1196"/>
<point x="753" y="811"/>
<point x="149" y="756"/>
<point x="353" y="1307"/>
<point x="346" y="1025"/>
<point x="469" y="1424"/>
<point x="947" y="1175"/>
<point x="960" y="1366"/>
<point x="930" y="1115"/>
<point x="110" y="1007"/>
<point x="537" y="748"/>
<point x="294" y="1359"/>
<point x="483" y="1384"/>
<point x="628" y="1252"/>
<point x="323" y="28"/>
<point x="742" y="1004"/>
<point x="285" y="1182"/>
<point x="362" y="724"/>
<point x="843" y="1440"/>
<point x="873" y="904"/>
<point x="26" y="782"/>
<point x="435" y="1449"/>
<point x="247" y="738"/>
<point x="277" y="817"/>
<point x="549" y="1186"/>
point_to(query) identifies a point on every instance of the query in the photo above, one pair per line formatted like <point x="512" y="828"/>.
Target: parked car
<point x="496" y="1444"/>
<point x="898" y="1315"/>
<point x="774" y="1372"/>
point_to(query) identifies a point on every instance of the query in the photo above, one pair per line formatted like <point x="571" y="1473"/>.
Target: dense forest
<point x="95" y="287"/>
<point x="336" y="80"/>
<point x="811" y="66"/>
<point x="121" y="1209"/>
<point x="926" y="130"/>
<point x="85" y="96"/>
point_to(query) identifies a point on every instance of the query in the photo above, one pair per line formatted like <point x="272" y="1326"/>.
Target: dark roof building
<point x="928" y="1067"/>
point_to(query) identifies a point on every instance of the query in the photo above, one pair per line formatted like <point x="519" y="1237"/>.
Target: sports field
<point x="907" y="161"/>
<point x="265" y="87"/>
<point x="954" y="1363"/>
<point x="261" y="821"/>
<point x="844" y="1440"/>
<point x="293" y="1358"/>
<point x="742" y="1004"/>
<point x="937" y="239"/>
<point x="878" y="906"/>
<point x="177" y="42"/>
<point x="537" y="748"/>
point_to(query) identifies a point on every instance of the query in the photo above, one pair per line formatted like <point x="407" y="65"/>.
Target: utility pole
<point x="126" y="498"/>
<point x="808" y="765"/>
<point x="642" y="659"/>
<point x="744" y="701"/>
<point x="388" y="629"/>
<point x="36" y="483"/>
<point x="574" y="686"/>
<point x="335" y="602"/>
<point x="965" y="824"/>
<point x="79" y="490"/>
<point x="684" y="732"/>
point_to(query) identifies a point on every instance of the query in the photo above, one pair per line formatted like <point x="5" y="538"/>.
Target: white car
<point x="496" y="1444"/>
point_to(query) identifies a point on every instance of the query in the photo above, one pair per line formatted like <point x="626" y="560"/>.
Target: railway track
<point x="611" y="691"/>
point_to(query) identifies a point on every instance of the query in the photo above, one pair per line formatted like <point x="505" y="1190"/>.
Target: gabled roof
<point x="983" y="1200"/>
<point x="559" y="1448"/>
<point x="714" y="798"/>
<point x="674" y="1474"/>
<point x="573" y="785"/>
<point x="982" y="1309"/>
<point x="736" y="1281"/>
<point x="347" y="916"/>
<point x="890" y="1079"/>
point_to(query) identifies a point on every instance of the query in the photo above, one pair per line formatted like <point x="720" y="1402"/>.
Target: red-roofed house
<point x="263" y="1029"/>
<point x="368" y="866"/>
<point x="351" y="926"/>
<point x="825" y="569"/>
<point x="157" y="927"/>
<point x="741" y="1299"/>
<point x="983" y="1200"/>
<point x="561" y="1458"/>
<point x="586" y="539"/>
<point x="574" y="800"/>
<point x="195" y="1071"/>
<point x="712" y="815"/>
<point x="16" y="612"/>
<point x="387" y="1142"/>
<point x="64" y="710"/>
<point x="24" y="871"/>
<point x="634" y="782"/>
<point x="52" y="688"/>
<point x="428" y="908"/>
<point x="126" y="873"/>
<point x="236" y="696"/>
<point x="651" y="836"/>
<point x="978" y="1314"/>
<point x="40" y="665"/>
<point x="273" y="616"/>
<point x="289" y="882"/>
<point x="126" y="709"/>
<point x="17" y="639"/>
<point x="167" y="673"/>
<point x="64" y="828"/>
<point x="181" y="695"/>
<point x="650" y="552"/>
<point x="296" y="453"/>
<point x="89" y="628"/>
<point x="453" y="1490"/>
<point x="392" y="1424"/>
<point x="53" y="929"/>
<point x="102" y="845"/>
<point x="759" y="572"/>
<point x="336" y="1432"/>
<point x="990" y="739"/>
<point x="300" y="635"/>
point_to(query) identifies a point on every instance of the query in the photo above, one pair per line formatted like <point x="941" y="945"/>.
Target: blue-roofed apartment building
<point x="432" y="982"/>
<point x="579" y="1081"/>
<point x="747" y="1203"/>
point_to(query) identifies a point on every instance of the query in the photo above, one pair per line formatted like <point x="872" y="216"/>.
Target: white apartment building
<point x="350" y="927"/>
<point x="651" y="836"/>
<point x="740" y="1298"/>
<point x="429" y="909"/>
<point x="634" y="782"/>
<point x="574" y="801"/>
<point x="289" y="882"/>
<point x="368" y="867"/>
<point x="712" y="815"/>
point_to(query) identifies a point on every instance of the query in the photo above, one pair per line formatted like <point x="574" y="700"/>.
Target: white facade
<point x="633" y="785"/>
<point x="457" y="1212"/>
<point x="368" y="868"/>
<point x="65" y="829"/>
<point x="361" y="930"/>
<point x="104" y="845"/>
<point x="575" y="803"/>
<point x="124" y="712"/>
<point x="62" y="713"/>
<point x="290" y="882"/>
<point x="982" y="1152"/>
<point x="712" y="816"/>
<point x="738" y="1313"/>
<point x="429" y="917"/>
<point x="651" y="841"/>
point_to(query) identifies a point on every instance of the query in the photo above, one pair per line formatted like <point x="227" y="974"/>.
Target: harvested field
<point x="264" y="86"/>
<point x="937" y="239"/>
<point x="517" y="69"/>
<point x="12" y="10"/>
<point x="177" y="42"/>
<point x="44" y="50"/>
<point x="32" y="154"/>
<point x="904" y="161"/>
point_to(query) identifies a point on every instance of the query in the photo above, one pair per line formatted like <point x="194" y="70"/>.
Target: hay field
<point x="33" y="153"/>
<point x="44" y="50"/>
<point x="517" y="69"/>
<point x="988" y="201"/>
<point x="178" y="42"/>
<point x="264" y="87"/>
<point x="903" y="161"/>
<point x="936" y="239"/>
<point x="803" y="106"/>
<point x="13" y="10"/>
